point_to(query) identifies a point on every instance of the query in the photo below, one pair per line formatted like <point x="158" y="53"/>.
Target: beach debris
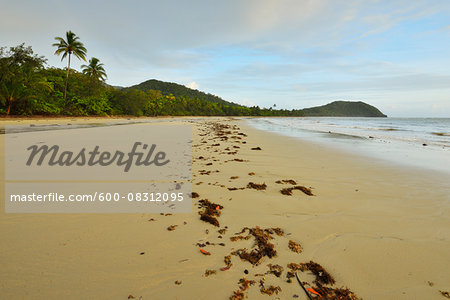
<point x="430" y="283"/>
<point x="245" y="284"/>
<point x="256" y="186"/>
<point x="445" y="294"/>
<point x="172" y="227"/>
<point x="151" y="220"/>
<point x="178" y="282"/>
<point x="256" y="148"/>
<point x="235" y="189"/>
<point x="288" y="191"/>
<point x="292" y="268"/>
<point x="210" y="272"/>
<point x="222" y="231"/>
<point x="204" y="252"/>
<point x="245" y="271"/>
<point x="251" y="173"/>
<point x="333" y="293"/>
<point x="262" y="246"/>
<point x="210" y="212"/>
<point x="312" y="291"/>
<point x="322" y="276"/>
<point x="238" y="295"/>
<point x="234" y="177"/>
<point x="183" y="260"/>
<point x="131" y="296"/>
<point x="290" y="181"/>
<point x="276" y="270"/>
<point x="295" y="247"/>
<point x="142" y="253"/>
<point x="270" y="290"/>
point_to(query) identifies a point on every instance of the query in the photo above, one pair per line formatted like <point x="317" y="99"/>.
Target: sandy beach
<point x="381" y="231"/>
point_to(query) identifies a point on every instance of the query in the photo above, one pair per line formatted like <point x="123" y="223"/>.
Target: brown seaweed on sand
<point x="238" y="295"/>
<point x="322" y="276"/>
<point x="210" y="272"/>
<point x="256" y="186"/>
<point x="245" y="284"/>
<point x="210" y="212"/>
<point x="288" y="191"/>
<point x="295" y="247"/>
<point x="445" y="294"/>
<point x="172" y="227"/>
<point x="270" y="290"/>
<point x="262" y="246"/>
<point x="334" y="293"/>
<point x="290" y="181"/>
<point x="276" y="270"/>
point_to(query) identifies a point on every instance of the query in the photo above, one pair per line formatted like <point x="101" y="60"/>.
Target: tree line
<point x="29" y="87"/>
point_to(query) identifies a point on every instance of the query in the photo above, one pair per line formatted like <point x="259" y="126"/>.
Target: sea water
<point x="416" y="142"/>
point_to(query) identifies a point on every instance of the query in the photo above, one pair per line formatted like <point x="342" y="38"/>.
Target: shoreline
<point x="380" y="230"/>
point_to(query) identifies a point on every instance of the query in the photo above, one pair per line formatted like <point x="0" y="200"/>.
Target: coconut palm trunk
<point x="67" y="79"/>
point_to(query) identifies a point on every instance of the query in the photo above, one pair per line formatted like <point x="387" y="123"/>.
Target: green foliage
<point x="344" y="109"/>
<point x="178" y="90"/>
<point x="27" y="88"/>
<point x="95" y="70"/>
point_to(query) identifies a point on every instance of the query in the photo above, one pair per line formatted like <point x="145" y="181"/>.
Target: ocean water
<point x="416" y="142"/>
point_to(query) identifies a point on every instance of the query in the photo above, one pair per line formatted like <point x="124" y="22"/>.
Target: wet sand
<point x="381" y="231"/>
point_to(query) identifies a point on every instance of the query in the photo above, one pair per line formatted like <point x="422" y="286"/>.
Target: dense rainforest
<point x="28" y="87"/>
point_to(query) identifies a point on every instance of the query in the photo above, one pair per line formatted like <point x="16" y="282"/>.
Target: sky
<point x="394" y="54"/>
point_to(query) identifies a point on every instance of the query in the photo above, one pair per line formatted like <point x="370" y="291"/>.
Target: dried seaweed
<point x="334" y="293"/>
<point x="256" y="148"/>
<point x="288" y="191"/>
<point x="172" y="227"/>
<point x="276" y="270"/>
<point x="290" y="181"/>
<point x="263" y="247"/>
<point x="245" y="284"/>
<point x="295" y="247"/>
<point x="210" y="212"/>
<point x="240" y="237"/>
<point x="270" y="290"/>
<point x="445" y="294"/>
<point x="238" y="295"/>
<point x="210" y="272"/>
<point x="322" y="276"/>
<point x="209" y="219"/>
<point x="256" y="186"/>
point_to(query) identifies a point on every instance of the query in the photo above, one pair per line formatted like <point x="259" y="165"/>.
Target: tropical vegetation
<point x="29" y="87"/>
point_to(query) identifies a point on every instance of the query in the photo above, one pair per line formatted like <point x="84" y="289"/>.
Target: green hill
<point x="343" y="109"/>
<point x="178" y="90"/>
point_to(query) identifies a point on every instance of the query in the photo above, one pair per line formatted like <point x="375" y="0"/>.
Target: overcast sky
<point x="391" y="54"/>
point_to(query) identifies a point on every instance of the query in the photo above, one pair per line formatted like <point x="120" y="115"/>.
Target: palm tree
<point x="70" y="46"/>
<point x="94" y="70"/>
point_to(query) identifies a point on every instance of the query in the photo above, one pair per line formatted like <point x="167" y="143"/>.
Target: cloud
<point x="193" y="85"/>
<point x="289" y="51"/>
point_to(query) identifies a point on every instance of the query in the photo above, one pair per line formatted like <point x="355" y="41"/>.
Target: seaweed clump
<point x="262" y="244"/>
<point x="288" y="191"/>
<point x="256" y="186"/>
<point x="334" y="293"/>
<point x="270" y="290"/>
<point x="295" y="247"/>
<point x="322" y="276"/>
<point x="276" y="270"/>
<point x="211" y="212"/>
<point x="290" y="181"/>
